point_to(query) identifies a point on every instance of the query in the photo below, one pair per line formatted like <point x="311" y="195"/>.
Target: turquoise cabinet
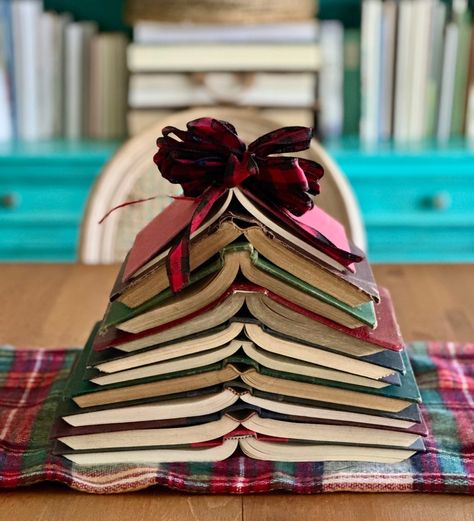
<point x="43" y="191"/>
<point x="417" y="204"/>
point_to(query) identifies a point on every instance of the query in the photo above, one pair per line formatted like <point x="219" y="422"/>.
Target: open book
<point x="237" y="262"/>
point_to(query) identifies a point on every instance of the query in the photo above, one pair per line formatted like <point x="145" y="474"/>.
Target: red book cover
<point x="387" y="334"/>
<point x="158" y="233"/>
<point x="161" y="230"/>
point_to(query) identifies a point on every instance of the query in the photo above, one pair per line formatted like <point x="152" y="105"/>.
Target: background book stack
<point x="281" y="346"/>
<point x="209" y="56"/>
<point x="58" y="77"/>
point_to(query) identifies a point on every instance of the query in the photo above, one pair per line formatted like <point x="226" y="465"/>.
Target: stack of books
<point x="270" y="66"/>
<point x="281" y="346"/>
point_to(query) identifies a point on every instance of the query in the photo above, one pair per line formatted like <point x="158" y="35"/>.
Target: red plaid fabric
<point x="31" y="384"/>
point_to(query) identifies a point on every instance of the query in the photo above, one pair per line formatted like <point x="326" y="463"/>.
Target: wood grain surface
<point x="52" y="305"/>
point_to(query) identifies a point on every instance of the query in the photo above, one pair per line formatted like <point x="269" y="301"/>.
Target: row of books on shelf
<point x="58" y="77"/>
<point x="417" y="70"/>
<point x="407" y="74"/>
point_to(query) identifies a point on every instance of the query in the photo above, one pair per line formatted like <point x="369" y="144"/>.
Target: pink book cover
<point x="158" y="233"/>
<point x="318" y="219"/>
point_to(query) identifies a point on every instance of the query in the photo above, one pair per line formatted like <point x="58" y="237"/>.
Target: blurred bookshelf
<point x="416" y="191"/>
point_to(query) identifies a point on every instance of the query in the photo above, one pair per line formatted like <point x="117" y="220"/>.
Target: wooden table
<point x="56" y="305"/>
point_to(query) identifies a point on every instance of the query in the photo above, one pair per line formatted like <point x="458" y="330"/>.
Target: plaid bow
<point x="209" y="158"/>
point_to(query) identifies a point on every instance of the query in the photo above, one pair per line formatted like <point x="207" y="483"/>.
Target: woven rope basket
<point x="220" y="11"/>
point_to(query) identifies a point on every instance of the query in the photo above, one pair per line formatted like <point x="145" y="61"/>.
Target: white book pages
<point x="248" y="89"/>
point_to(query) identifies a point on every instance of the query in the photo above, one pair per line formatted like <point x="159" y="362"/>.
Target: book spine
<point x="7" y="99"/>
<point x="73" y="81"/>
<point x="6" y="131"/>
<point x="460" y="78"/>
<point x="387" y="65"/>
<point x="48" y="51"/>
<point x="108" y="81"/>
<point x="371" y="40"/>
<point x="435" y="68"/>
<point x="420" y="28"/>
<point x="469" y="121"/>
<point x="447" y="83"/>
<point x="25" y="18"/>
<point x="62" y="22"/>
<point x="470" y="116"/>
<point x="351" y="118"/>
<point x="403" y="73"/>
<point x="331" y="79"/>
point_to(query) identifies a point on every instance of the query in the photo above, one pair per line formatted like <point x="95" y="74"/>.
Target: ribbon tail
<point x="177" y="262"/>
<point x="129" y="203"/>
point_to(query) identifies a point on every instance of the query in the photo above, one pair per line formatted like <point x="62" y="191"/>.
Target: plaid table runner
<point x="31" y="383"/>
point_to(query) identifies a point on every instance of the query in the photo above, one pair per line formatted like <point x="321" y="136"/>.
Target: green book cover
<point x="79" y="368"/>
<point x="364" y="312"/>
<point x="351" y="81"/>
<point x="119" y="312"/>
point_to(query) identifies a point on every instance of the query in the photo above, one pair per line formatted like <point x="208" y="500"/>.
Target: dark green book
<point x="70" y="408"/>
<point x="351" y="80"/>
<point x="232" y="368"/>
<point x="407" y="390"/>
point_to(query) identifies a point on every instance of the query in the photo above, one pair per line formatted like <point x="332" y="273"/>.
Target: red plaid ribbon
<point x="209" y="158"/>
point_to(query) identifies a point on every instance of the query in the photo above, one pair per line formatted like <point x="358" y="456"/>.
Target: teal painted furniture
<point x="417" y="203"/>
<point x="43" y="190"/>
